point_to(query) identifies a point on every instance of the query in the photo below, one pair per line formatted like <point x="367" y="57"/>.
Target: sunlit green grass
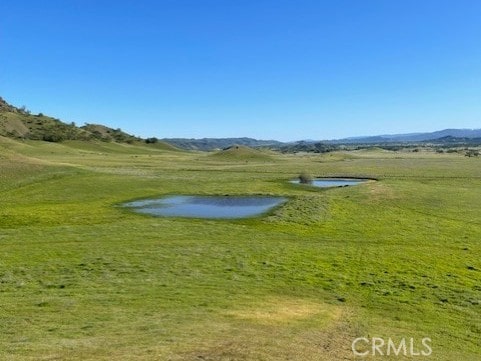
<point x="84" y="279"/>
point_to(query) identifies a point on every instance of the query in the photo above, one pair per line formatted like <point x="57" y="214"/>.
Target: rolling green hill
<point x="19" y="123"/>
<point x="241" y="153"/>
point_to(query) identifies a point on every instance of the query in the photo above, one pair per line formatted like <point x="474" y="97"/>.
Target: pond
<point x="226" y="207"/>
<point x="333" y="182"/>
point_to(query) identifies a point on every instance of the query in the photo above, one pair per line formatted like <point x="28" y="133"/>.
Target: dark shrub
<point x="305" y="178"/>
<point x="152" y="140"/>
<point x="53" y="137"/>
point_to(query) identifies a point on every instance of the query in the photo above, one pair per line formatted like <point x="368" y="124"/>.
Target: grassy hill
<point x="241" y="153"/>
<point x="19" y="123"/>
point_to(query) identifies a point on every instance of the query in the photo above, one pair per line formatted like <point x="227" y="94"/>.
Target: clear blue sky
<point x="266" y="69"/>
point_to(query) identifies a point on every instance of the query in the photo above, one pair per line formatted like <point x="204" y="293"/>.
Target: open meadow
<point x="82" y="278"/>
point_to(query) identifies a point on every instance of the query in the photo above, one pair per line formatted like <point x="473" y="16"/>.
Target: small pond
<point x="227" y="207"/>
<point x="333" y="182"/>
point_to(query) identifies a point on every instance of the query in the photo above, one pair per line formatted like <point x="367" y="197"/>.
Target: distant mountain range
<point x="206" y="144"/>
<point x="441" y="136"/>
<point x="412" y="137"/>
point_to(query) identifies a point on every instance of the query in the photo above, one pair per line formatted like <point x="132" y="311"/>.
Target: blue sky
<point x="284" y="70"/>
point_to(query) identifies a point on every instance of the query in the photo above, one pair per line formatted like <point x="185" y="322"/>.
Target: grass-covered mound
<point x="242" y="153"/>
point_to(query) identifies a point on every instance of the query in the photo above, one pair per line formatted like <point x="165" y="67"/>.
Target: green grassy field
<point x="84" y="279"/>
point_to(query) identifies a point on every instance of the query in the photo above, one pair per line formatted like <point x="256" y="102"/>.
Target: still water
<point x="207" y="206"/>
<point x="333" y="182"/>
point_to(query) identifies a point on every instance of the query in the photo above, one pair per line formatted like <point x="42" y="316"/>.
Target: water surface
<point x="207" y="206"/>
<point x="333" y="182"/>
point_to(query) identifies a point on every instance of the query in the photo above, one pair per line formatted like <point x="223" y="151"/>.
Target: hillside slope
<point x="242" y="153"/>
<point x="19" y="123"/>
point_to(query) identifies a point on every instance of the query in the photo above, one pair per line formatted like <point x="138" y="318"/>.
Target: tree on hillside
<point x="152" y="140"/>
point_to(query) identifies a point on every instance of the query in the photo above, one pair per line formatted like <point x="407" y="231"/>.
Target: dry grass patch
<point x="279" y="329"/>
<point x="278" y="310"/>
<point x="379" y="191"/>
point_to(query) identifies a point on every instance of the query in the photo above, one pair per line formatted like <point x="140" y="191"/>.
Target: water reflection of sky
<point x="207" y="207"/>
